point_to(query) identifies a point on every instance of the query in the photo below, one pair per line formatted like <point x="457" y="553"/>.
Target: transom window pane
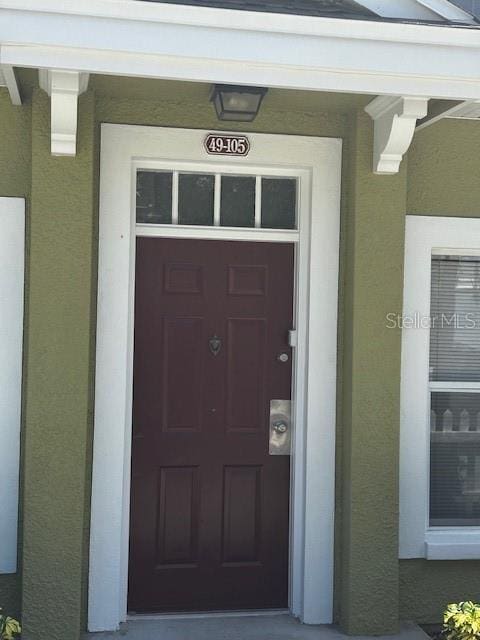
<point x="154" y="197"/>
<point x="207" y="199"/>
<point x="195" y="198"/>
<point x="279" y="197"/>
<point x="237" y="208"/>
<point x="455" y="408"/>
<point x="455" y="319"/>
<point x="455" y="459"/>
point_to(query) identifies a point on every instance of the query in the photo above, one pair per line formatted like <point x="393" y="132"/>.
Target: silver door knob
<point x="280" y="427"/>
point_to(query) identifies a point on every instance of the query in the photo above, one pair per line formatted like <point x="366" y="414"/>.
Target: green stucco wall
<point x="372" y="589"/>
<point x="15" y="132"/>
<point x="443" y="179"/>
<point x="130" y="102"/>
<point x="373" y="287"/>
<point x="443" y="170"/>
<point x="58" y="391"/>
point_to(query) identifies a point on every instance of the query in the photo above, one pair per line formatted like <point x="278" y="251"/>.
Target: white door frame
<point x="317" y="164"/>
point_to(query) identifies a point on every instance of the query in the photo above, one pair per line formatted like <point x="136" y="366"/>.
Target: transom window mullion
<point x="175" y="198"/>
<point x="217" y="200"/>
<point x="258" y="202"/>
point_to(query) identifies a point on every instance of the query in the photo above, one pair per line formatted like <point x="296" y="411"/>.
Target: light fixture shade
<point x="236" y="103"/>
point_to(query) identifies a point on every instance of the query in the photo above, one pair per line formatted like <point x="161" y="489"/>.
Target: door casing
<point x="316" y="162"/>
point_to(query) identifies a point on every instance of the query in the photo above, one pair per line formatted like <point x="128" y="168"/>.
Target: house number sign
<point x="227" y="145"/>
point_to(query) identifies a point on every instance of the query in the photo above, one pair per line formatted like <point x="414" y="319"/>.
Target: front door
<point x="209" y="505"/>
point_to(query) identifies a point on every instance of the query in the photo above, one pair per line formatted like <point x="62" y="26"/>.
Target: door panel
<point x="242" y="490"/>
<point x="209" y="506"/>
<point x="178" y="511"/>
<point x="245" y="374"/>
<point x="182" y="343"/>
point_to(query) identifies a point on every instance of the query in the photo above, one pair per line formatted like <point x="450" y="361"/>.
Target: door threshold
<point x="208" y="614"/>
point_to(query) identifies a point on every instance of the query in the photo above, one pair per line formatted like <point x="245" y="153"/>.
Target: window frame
<point x="220" y="170"/>
<point x="425" y="236"/>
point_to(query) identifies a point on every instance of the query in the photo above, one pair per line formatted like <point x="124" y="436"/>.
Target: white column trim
<point x="63" y="87"/>
<point x="394" y="125"/>
<point x="12" y="258"/>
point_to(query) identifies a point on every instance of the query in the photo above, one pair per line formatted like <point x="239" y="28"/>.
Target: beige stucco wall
<point x="440" y="176"/>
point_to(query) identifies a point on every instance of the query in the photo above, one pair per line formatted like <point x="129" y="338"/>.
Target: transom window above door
<point x="218" y="200"/>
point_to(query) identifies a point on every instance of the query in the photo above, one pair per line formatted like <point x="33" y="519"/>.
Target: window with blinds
<point x="455" y="391"/>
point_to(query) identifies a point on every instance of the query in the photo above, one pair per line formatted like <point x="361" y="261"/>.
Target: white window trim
<point x="318" y="162"/>
<point x="12" y="258"/>
<point x="425" y="236"/>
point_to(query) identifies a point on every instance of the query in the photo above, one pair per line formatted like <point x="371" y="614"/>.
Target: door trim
<point x="317" y="161"/>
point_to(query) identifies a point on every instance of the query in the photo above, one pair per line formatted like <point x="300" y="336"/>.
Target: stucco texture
<point x="61" y="328"/>
<point x="15" y="133"/>
<point x="372" y="589"/>
<point x="443" y="179"/>
<point x="443" y="170"/>
<point x="58" y="390"/>
<point x="149" y="103"/>
<point x="373" y="287"/>
<point x="366" y="557"/>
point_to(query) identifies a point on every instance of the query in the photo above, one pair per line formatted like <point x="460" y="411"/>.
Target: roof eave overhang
<point x="130" y="38"/>
<point x="403" y="64"/>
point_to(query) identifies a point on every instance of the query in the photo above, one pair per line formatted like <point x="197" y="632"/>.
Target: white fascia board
<point x="230" y="19"/>
<point x="211" y="71"/>
<point x="126" y="37"/>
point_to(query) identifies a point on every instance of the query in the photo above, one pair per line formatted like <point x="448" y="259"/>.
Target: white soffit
<point x="417" y="10"/>
<point x="466" y="110"/>
<point x="148" y="39"/>
<point x="448" y="10"/>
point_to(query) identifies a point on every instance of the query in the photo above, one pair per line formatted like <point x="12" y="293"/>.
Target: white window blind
<point x="12" y="256"/>
<point x="455" y="391"/>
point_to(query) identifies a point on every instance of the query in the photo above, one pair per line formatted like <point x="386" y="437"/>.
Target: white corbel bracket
<point x="394" y="125"/>
<point x="63" y="87"/>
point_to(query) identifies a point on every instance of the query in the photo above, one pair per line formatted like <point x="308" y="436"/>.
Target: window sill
<point x="452" y="544"/>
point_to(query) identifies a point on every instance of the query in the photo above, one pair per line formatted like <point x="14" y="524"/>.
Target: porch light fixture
<point x="241" y="104"/>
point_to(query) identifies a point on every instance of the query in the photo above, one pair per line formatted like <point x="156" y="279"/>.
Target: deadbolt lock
<point x="280" y="428"/>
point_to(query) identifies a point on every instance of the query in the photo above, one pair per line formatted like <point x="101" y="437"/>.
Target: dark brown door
<point x="209" y="505"/>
